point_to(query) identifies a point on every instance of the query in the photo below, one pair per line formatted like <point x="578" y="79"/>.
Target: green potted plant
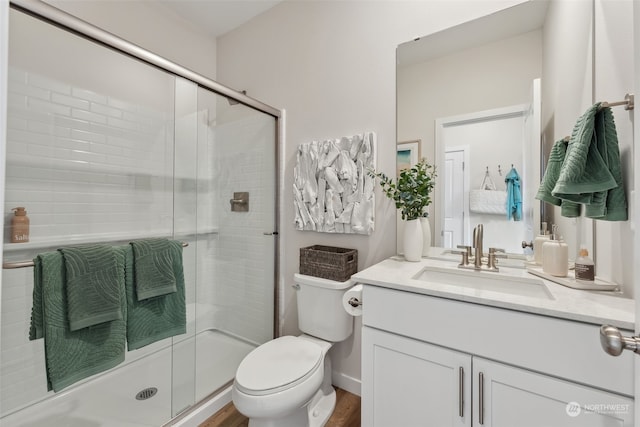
<point x="411" y="193"/>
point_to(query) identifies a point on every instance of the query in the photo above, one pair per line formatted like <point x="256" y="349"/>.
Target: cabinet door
<point x="410" y="383"/>
<point x="505" y="396"/>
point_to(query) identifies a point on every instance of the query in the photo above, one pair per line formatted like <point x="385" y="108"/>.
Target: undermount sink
<point x="486" y="281"/>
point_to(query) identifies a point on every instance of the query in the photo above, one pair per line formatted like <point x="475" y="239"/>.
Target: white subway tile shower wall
<point x="84" y="163"/>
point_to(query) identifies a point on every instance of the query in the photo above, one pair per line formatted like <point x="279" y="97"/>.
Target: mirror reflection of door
<point x="495" y="142"/>
<point x="454" y="190"/>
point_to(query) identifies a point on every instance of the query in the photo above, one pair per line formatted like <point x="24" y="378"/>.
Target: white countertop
<point x="595" y="307"/>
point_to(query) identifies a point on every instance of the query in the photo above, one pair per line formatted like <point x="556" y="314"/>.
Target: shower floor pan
<point x="109" y="400"/>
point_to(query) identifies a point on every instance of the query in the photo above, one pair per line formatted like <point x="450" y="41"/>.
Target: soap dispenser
<point x="538" y="242"/>
<point x="555" y="255"/>
<point x="19" y="226"/>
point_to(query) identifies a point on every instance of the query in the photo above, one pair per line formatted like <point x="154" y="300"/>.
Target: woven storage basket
<point x="328" y="262"/>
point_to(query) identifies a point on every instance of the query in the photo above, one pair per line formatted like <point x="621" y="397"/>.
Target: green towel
<point x="550" y="177"/>
<point x="153" y="262"/>
<point x="155" y="318"/>
<point x="584" y="170"/>
<point x="591" y="173"/>
<point x="612" y="204"/>
<point x="71" y="356"/>
<point x="92" y="285"/>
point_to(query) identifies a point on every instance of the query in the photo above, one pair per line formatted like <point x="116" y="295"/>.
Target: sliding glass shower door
<point x="236" y="240"/>
<point x="105" y="148"/>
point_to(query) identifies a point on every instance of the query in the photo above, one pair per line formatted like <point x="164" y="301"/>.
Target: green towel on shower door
<point x="93" y="280"/>
<point x="156" y="318"/>
<point x="153" y="263"/>
<point x="71" y="356"/>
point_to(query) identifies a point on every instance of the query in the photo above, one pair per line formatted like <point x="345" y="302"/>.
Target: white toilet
<point x="286" y="382"/>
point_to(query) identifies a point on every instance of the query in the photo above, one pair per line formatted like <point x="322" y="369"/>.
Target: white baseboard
<point x="345" y="382"/>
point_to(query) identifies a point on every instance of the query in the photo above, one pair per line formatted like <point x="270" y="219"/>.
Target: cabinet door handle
<point x="461" y="392"/>
<point x="481" y="398"/>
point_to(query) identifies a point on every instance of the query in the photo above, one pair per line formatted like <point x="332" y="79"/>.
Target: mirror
<point x="483" y="99"/>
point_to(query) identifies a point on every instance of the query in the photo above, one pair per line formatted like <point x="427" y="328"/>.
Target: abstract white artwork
<point x="332" y="191"/>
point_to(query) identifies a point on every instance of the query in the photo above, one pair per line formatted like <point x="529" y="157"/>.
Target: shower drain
<point x="147" y="393"/>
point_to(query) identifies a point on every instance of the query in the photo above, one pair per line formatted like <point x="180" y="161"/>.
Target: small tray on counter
<point x="571" y="282"/>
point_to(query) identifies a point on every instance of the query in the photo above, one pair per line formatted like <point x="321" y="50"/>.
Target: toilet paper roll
<point x="352" y="301"/>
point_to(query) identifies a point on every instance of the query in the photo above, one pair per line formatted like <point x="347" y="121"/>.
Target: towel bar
<point x="629" y="102"/>
<point x="22" y="264"/>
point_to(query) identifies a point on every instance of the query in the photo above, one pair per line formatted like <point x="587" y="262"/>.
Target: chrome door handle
<point x="481" y="398"/>
<point x="461" y="391"/>
<point x="613" y="342"/>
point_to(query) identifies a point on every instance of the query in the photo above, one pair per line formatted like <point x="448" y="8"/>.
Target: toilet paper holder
<point x="354" y="302"/>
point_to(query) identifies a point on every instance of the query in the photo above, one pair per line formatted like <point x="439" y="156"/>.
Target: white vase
<point x="412" y="240"/>
<point x="426" y="236"/>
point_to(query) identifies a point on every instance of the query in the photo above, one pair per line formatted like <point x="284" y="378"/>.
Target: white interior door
<point x="454" y="191"/>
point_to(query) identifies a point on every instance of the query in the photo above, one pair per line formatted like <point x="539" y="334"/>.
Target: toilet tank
<point x="320" y="311"/>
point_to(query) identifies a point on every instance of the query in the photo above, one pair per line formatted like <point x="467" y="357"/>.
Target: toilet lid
<point x="278" y="364"/>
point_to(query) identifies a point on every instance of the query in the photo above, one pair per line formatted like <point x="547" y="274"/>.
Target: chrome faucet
<point x="477" y="245"/>
<point x="492" y="259"/>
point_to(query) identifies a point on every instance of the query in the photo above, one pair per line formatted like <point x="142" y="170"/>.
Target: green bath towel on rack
<point x="591" y="173"/>
<point x="71" y="355"/>
<point x="586" y="170"/>
<point x="156" y="318"/>
<point x="153" y="264"/>
<point x="554" y="165"/>
<point x="92" y="283"/>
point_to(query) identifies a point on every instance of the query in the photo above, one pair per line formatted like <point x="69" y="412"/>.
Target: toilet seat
<point x="278" y="365"/>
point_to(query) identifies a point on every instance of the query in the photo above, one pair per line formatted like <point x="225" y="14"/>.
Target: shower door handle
<point x="270" y="233"/>
<point x="240" y="202"/>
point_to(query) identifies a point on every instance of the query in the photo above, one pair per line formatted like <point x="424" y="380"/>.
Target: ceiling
<point x="509" y="22"/>
<point x="217" y="17"/>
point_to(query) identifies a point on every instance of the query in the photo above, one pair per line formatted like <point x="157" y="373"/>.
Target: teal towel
<point x="514" y="195"/>
<point x="154" y="267"/>
<point x="93" y="279"/>
<point x="592" y="172"/>
<point x="153" y="319"/>
<point x="550" y="177"/>
<point x="71" y="356"/>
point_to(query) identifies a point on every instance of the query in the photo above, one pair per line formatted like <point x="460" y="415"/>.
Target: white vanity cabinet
<point x="509" y="396"/>
<point x="429" y="361"/>
<point x="406" y="382"/>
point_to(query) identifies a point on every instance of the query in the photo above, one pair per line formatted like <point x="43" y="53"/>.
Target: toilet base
<point x="321" y="407"/>
<point x="315" y="414"/>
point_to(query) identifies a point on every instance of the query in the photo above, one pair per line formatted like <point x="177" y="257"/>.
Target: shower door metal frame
<point x="84" y="29"/>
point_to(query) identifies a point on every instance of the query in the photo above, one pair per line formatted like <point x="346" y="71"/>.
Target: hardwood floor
<point x="346" y="414"/>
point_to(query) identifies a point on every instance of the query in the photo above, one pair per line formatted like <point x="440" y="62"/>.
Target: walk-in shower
<point x="109" y="143"/>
